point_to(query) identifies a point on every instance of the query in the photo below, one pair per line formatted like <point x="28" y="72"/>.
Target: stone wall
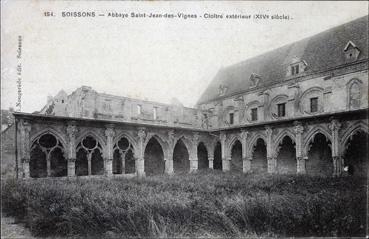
<point x="87" y="103"/>
<point x="338" y="90"/>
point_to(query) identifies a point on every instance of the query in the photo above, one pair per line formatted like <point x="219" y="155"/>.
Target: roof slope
<point x="320" y="52"/>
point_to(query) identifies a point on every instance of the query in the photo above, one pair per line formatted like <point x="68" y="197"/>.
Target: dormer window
<point x="295" y="70"/>
<point x="351" y="51"/>
<point x="296" y="67"/>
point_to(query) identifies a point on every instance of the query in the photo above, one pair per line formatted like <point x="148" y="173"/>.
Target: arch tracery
<point x="280" y="137"/>
<point x="47" y="155"/>
<point x="310" y="136"/>
<point x="253" y="141"/>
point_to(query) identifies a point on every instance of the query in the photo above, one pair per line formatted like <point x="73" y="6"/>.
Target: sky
<point x="154" y="59"/>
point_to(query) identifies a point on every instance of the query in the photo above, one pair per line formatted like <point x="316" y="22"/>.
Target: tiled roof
<point x="320" y="52"/>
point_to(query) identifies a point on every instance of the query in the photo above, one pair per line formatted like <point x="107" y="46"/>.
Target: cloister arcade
<point x="61" y="148"/>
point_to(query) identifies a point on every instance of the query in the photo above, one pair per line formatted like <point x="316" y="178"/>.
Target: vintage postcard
<point x="184" y="119"/>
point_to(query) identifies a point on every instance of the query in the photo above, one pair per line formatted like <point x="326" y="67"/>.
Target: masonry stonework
<point x="256" y="116"/>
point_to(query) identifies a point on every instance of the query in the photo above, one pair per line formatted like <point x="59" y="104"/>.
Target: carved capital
<point x="223" y="137"/>
<point x="243" y="134"/>
<point x="141" y="133"/>
<point x="109" y="132"/>
<point x="335" y="125"/>
<point x="71" y="130"/>
<point x="268" y="131"/>
<point x="299" y="129"/>
<point x="171" y="137"/>
<point x="195" y="137"/>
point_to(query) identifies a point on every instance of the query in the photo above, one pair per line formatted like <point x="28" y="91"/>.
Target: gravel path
<point x="9" y="229"/>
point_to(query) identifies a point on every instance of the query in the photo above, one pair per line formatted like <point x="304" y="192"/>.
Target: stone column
<point x="194" y="161"/>
<point x="211" y="158"/>
<point x="140" y="161"/>
<point x="89" y="156"/>
<point x="25" y="129"/>
<point x="109" y="133"/>
<point x="272" y="161"/>
<point x="300" y="160"/>
<point x="123" y="162"/>
<point x="246" y="162"/>
<point x="226" y="163"/>
<point x="71" y="150"/>
<point x="225" y="160"/>
<point x="169" y="165"/>
<point x="169" y="160"/>
<point x="48" y="166"/>
<point x="337" y="159"/>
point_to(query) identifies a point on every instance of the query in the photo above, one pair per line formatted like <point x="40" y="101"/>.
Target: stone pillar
<point x="225" y="160"/>
<point x="123" y="162"/>
<point x="301" y="165"/>
<point x="140" y="161"/>
<point x="71" y="150"/>
<point x="169" y="165"/>
<point x="272" y="164"/>
<point x="71" y="167"/>
<point x="272" y="160"/>
<point x="300" y="160"/>
<point x="246" y="161"/>
<point x="25" y="129"/>
<point x="337" y="159"/>
<point x="246" y="164"/>
<point x="89" y="156"/>
<point x="109" y="133"/>
<point x="211" y="158"/>
<point x="169" y="160"/>
<point x="211" y="162"/>
<point x="194" y="165"/>
<point x="194" y="161"/>
<point x="226" y="163"/>
<point x="48" y="166"/>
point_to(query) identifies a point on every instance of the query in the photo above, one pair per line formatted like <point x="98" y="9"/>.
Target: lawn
<point x="204" y="204"/>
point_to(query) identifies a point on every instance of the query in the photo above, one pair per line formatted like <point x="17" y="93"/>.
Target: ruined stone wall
<point x="87" y="103"/>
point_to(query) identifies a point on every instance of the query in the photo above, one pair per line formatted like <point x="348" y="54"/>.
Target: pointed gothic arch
<point x="154" y="157"/>
<point x="236" y="156"/>
<point x="202" y="155"/>
<point x="319" y="155"/>
<point x="181" y="156"/>
<point x="310" y="135"/>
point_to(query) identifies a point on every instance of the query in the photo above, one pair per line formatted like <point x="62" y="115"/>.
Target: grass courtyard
<point x="204" y="204"/>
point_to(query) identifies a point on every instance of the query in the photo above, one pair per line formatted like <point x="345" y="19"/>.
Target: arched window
<point x="47" y="157"/>
<point x="355" y="95"/>
<point x="89" y="157"/>
<point x="123" y="160"/>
